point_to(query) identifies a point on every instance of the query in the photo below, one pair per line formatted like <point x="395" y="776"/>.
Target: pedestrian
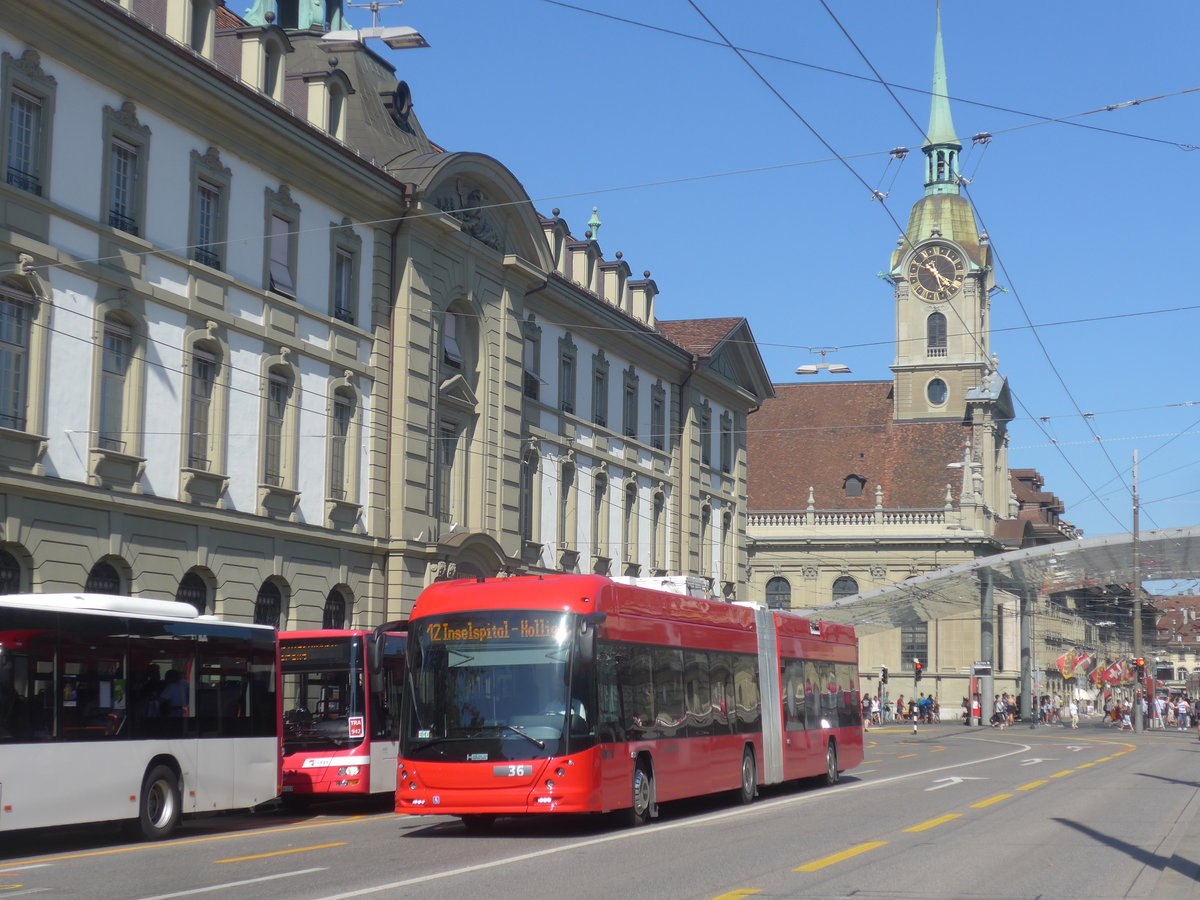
<point x="1181" y="713"/>
<point x="1073" y="710"/>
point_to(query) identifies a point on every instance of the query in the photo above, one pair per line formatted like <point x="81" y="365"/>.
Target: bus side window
<point x="611" y="659"/>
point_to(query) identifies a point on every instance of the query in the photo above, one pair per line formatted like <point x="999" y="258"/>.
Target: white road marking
<point x="232" y="884"/>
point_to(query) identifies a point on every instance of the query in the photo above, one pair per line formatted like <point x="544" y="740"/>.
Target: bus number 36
<point x="512" y="771"/>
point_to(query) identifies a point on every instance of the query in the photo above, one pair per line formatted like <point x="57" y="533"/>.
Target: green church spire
<point x="941" y="146"/>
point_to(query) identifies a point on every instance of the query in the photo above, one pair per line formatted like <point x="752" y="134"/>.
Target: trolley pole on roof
<point x="1138" y="722"/>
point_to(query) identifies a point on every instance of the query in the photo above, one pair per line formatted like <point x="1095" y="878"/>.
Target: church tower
<point x="942" y="271"/>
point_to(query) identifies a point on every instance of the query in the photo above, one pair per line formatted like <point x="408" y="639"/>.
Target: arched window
<point x="527" y="512"/>
<point x="10" y="573"/>
<point x="935" y="335"/>
<point x="600" y="516"/>
<point x="854" y="485"/>
<point x="192" y="590"/>
<point x="779" y="593"/>
<point x="103" y="579"/>
<point x="268" y="605"/>
<point x="845" y="586"/>
<point x="334" y="615"/>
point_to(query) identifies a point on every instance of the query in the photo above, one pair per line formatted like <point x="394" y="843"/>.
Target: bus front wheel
<point x="643" y="796"/>
<point x="160" y="806"/>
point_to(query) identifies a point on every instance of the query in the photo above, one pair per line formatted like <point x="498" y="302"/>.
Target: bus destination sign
<point x="522" y="629"/>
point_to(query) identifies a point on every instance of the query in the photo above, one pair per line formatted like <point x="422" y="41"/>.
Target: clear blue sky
<point x="1095" y="231"/>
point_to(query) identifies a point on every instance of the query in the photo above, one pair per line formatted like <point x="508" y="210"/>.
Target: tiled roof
<point x="228" y="19"/>
<point x="817" y="434"/>
<point x="699" y="336"/>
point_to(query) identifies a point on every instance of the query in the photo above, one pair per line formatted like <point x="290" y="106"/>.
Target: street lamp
<point x="831" y="367"/>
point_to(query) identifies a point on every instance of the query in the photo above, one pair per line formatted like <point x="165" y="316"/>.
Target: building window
<point x="567" y="509"/>
<point x="193" y="591"/>
<point x="629" y="523"/>
<point x="779" y="593"/>
<point x="116" y="357"/>
<point x="600" y="515"/>
<point x="272" y="75"/>
<point x="528" y="495"/>
<point x="200" y="36"/>
<point x="268" y="605"/>
<point x="123" y="175"/>
<point x="336" y="122"/>
<point x="727" y="546"/>
<point x="937" y="392"/>
<point x="15" y="314"/>
<point x="914" y="644"/>
<point x="334" y="614"/>
<point x="447" y="449"/>
<point x="103" y="579"/>
<point x="726" y="442"/>
<point x="210" y="209"/>
<point x="27" y="123"/>
<point x="853" y="485"/>
<point x="345" y="254"/>
<point x="658" y="416"/>
<point x="706" y="555"/>
<point x="24" y="141"/>
<point x="705" y="435"/>
<point x="127" y="142"/>
<point x="935" y="335"/>
<point x="281" y="280"/>
<point x="629" y="404"/>
<point x="844" y="586"/>
<point x="10" y="573"/>
<point x="275" y="428"/>
<point x="200" y="408"/>
<point x="658" y="532"/>
<point x="531" y="359"/>
<point x="600" y="389"/>
<point x="451" y="351"/>
<point x="340" y="423"/>
<point x="567" y="353"/>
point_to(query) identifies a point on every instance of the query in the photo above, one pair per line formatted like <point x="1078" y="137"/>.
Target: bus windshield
<point x="322" y="692"/>
<point x="491" y="685"/>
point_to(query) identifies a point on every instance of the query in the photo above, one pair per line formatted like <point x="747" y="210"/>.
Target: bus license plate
<point x="512" y="771"/>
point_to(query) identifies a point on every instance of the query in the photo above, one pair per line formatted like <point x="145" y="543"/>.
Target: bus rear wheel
<point x="643" y="796"/>
<point x="160" y="805"/>
<point x="749" y="783"/>
<point x="831" y="764"/>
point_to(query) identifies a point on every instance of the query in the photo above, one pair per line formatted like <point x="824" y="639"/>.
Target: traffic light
<point x="1140" y="665"/>
<point x="918" y="669"/>
<point x="883" y="675"/>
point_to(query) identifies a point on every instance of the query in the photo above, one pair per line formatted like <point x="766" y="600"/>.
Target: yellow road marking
<point x="1085" y="765"/>
<point x="164" y="845"/>
<point x="908" y="756"/>
<point x="282" y="852"/>
<point x="734" y="895"/>
<point x="1104" y="759"/>
<point x="1062" y="773"/>
<point x="936" y="749"/>
<point x="934" y="823"/>
<point x="839" y="857"/>
<point x="1032" y="785"/>
<point x="990" y="800"/>
<point x="868" y="762"/>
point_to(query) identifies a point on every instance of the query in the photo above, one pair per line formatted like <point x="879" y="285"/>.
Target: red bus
<point x="341" y="711"/>
<point x="574" y="693"/>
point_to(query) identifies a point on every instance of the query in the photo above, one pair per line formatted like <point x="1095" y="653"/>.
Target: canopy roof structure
<point x="1168" y="554"/>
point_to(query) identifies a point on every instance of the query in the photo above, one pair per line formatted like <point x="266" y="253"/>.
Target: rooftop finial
<point x="941" y="146"/>
<point x="594" y="223"/>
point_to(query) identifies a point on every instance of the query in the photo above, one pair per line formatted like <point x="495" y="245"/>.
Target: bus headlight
<point x="560" y="771"/>
<point x="348" y="770"/>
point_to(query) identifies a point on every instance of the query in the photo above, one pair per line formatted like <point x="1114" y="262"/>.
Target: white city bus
<point x="117" y="708"/>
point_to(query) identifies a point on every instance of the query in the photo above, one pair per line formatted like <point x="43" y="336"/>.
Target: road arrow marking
<point x="940" y="783"/>
<point x="1034" y="761"/>
<point x="1073" y="747"/>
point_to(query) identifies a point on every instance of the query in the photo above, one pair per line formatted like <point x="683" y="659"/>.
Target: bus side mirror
<point x="588" y="625"/>
<point x="378" y="641"/>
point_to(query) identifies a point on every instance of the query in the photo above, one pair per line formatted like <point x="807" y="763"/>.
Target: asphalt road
<point x="950" y="812"/>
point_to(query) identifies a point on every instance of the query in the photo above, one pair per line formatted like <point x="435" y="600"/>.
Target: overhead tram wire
<point x="1041" y="119"/>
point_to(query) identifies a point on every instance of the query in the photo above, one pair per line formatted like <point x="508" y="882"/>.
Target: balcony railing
<point x="207" y="257"/>
<point x="26" y="181"/>
<point x="122" y="222"/>
<point x="847" y="518"/>
<point x="343" y="314"/>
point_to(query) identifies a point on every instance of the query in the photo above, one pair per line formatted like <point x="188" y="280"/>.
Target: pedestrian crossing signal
<point x="918" y="669"/>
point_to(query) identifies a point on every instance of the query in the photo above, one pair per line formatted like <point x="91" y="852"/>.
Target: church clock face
<point x="935" y="273"/>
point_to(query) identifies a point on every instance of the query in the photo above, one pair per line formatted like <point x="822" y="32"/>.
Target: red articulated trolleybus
<point x="341" y="712"/>
<point x="576" y="693"/>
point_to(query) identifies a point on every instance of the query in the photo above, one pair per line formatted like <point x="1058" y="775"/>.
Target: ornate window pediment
<point x="455" y="392"/>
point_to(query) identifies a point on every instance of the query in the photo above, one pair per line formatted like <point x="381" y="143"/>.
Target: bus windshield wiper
<point x="541" y="745"/>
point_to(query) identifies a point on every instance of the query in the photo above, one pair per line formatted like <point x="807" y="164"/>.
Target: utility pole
<point x="1138" y="723"/>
